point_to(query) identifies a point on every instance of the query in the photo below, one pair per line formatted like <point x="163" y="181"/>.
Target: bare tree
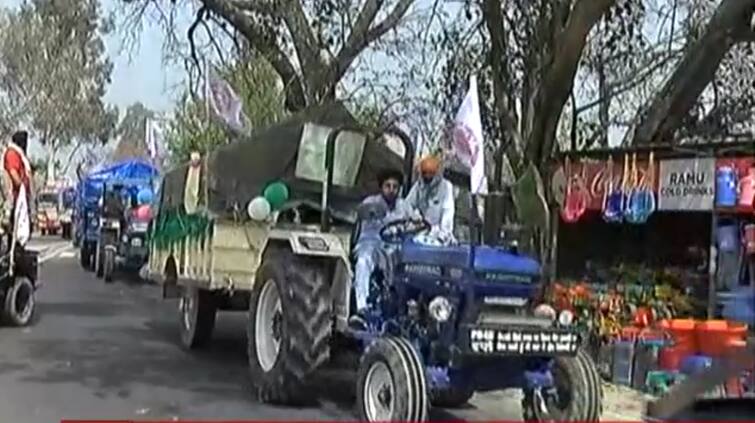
<point x="730" y="25"/>
<point x="310" y="44"/>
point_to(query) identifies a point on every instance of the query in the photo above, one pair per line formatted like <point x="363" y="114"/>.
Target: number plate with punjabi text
<point x="535" y="341"/>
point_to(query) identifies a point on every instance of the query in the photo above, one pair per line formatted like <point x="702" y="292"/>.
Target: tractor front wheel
<point x="85" y="256"/>
<point x="98" y="256"/>
<point x="391" y="384"/>
<point x="108" y="265"/>
<point x="577" y="395"/>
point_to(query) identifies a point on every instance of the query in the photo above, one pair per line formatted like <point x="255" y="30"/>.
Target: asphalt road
<point x="98" y="351"/>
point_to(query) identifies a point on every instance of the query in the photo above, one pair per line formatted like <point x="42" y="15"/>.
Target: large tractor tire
<point x="98" y="256"/>
<point x="108" y="264"/>
<point x="451" y="397"/>
<point x="19" y="304"/>
<point x="289" y="326"/>
<point x="580" y="393"/>
<point x="391" y="384"/>
<point x="197" y="310"/>
<point x="85" y="257"/>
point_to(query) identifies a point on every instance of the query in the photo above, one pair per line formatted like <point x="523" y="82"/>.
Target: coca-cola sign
<point x="602" y="176"/>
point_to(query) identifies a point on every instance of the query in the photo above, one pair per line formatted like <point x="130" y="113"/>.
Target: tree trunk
<point x="50" y="167"/>
<point x="729" y="25"/>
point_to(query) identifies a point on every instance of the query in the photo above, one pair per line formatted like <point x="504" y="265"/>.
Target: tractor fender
<point x="326" y="246"/>
<point x="314" y="244"/>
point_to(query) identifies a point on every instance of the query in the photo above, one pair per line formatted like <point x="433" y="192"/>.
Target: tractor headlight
<point x="440" y="309"/>
<point x="545" y="310"/>
<point x="566" y="318"/>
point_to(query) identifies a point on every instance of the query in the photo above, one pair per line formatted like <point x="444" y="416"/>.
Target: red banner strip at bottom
<point x="308" y="421"/>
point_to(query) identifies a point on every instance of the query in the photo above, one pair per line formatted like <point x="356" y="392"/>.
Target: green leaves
<point x="54" y="59"/>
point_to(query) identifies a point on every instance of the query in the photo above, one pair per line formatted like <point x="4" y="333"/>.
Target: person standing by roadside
<point x="18" y="172"/>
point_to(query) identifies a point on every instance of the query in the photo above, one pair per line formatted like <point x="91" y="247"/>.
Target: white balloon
<point x="258" y="209"/>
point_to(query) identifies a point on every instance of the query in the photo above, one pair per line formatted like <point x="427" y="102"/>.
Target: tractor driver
<point x="370" y="249"/>
<point x="433" y="197"/>
<point x="113" y="207"/>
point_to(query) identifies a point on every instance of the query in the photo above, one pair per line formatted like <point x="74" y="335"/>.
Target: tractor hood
<point x="483" y="258"/>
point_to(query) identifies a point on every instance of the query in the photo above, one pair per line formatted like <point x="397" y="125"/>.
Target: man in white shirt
<point x="385" y="207"/>
<point x="433" y="196"/>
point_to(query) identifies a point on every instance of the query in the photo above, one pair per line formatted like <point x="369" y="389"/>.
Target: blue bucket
<point x="726" y="187"/>
<point x="728" y="237"/>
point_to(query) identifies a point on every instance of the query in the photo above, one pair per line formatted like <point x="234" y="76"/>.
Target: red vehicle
<point x="48" y="218"/>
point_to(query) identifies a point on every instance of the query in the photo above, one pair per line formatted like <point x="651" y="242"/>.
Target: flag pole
<point x="204" y="158"/>
<point x="207" y="92"/>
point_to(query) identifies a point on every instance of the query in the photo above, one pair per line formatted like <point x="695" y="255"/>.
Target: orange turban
<point x="429" y="164"/>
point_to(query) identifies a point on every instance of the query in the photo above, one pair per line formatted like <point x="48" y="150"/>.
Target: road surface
<point x="100" y="351"/>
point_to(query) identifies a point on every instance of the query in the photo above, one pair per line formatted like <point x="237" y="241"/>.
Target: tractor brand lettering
<point x="423" y="269"/>
<point x="517" y="342"/>
<point x="507" y="277"/>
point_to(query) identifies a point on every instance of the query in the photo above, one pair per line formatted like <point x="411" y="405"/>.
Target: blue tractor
<point x="89" y="202"/>
<point x="447" y="320"/>
<point x="122" y="238"/>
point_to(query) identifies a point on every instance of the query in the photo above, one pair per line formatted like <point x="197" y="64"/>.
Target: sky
<point x="141" y="77"/>
<point x="139" y="74"/>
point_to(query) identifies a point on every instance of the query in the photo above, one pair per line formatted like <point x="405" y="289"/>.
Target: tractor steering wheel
<point x="396" y="232"/>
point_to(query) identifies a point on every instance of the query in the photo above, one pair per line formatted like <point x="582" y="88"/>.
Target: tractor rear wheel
<point x="289" y="326"/>
<point x="578" y="394"/>
<point x="197" y="310"/>
<point x="19" y="302"/>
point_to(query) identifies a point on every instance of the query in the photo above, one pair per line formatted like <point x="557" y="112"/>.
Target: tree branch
<point x="506" y="121"/>
<point x="305" y="43"/>
<point x="266" y="45"/>
<point x="558" y="80"/>
<point x="361" y="36"/>
<point x="694" y="72"/>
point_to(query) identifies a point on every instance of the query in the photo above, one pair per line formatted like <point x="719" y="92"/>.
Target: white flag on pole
<point x="154" y="138"/>
<point x="225" y="103"/>
<point x="21" y="219"/>
<point x="468" y="145"/>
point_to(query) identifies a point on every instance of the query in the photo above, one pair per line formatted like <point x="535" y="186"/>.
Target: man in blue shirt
<point x="375" y="212"/>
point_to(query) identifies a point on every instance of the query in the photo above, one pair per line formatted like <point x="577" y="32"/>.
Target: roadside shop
<point x="649" y="243"/>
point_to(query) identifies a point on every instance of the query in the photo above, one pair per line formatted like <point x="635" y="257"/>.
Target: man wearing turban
<point x="371" y="252"/>
<point x="433" y="196"/>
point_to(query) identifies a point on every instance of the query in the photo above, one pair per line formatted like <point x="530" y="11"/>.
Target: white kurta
<point x="436" y="203"/>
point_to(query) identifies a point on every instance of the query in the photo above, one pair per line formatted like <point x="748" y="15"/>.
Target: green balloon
<point x="276" y="194"/>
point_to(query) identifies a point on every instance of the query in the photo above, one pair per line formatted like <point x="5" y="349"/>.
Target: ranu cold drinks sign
<point x="687" y="184"/>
